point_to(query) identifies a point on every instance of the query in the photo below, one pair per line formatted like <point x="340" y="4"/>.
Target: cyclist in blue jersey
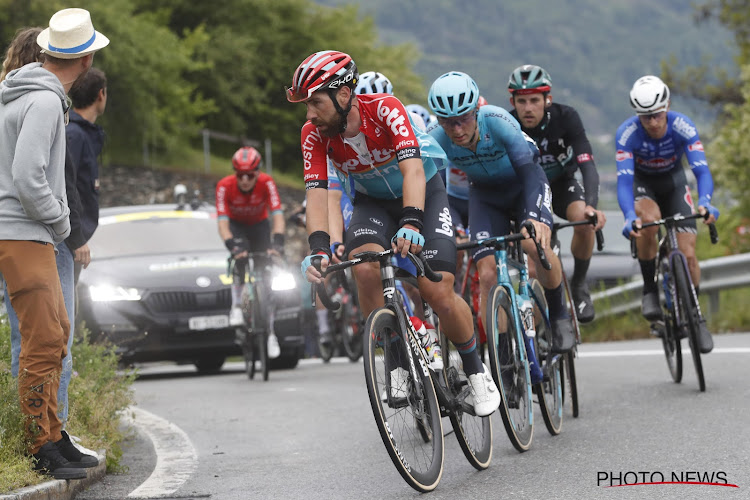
<point x="506" y="183"/>
<point x="565" y="149"/>
<point x="651" y="183"/>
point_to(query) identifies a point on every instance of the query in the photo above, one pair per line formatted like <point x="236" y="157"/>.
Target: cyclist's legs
<point x="686" y="242"/>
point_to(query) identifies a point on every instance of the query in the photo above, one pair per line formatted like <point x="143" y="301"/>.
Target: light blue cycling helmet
<point x="453" y="94"/>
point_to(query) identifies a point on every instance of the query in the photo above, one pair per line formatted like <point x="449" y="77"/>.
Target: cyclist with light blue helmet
<point x="507" y="183"/>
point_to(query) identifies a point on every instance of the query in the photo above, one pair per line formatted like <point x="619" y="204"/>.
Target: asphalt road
<point x="309" y="433"/>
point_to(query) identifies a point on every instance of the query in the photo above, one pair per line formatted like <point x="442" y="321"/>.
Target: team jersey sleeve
<point x="625" y="169"/>
<point x="273" y="199"/>
<point x="314" y="158"/>
<point x="222" y="211"/>
<point x="584" y="156"/>
<point x="696" y="157"/>
<point x="536" y="190"/>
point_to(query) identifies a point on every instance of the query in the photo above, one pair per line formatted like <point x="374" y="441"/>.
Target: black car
<point x="157" y="288"/>
<point x="611" y="267"/>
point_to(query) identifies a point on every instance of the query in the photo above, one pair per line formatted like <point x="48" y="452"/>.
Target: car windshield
<point x="614" y="243"/>
<point x="139" y="233"/>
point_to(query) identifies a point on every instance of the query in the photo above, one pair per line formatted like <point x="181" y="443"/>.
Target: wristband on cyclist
<point x="320" y="242"/>
<point x="278" y="240"/>
<point x="413" y="216"/>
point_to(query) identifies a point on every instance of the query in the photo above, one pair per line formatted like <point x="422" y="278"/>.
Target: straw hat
<point x="71" y="35"/>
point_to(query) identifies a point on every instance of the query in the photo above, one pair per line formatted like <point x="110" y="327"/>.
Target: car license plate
<point x="208" y="322"/>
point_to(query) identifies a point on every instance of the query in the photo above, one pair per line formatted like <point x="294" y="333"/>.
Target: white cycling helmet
<point x="372" y="82"/>
<point x="649" y="95"/>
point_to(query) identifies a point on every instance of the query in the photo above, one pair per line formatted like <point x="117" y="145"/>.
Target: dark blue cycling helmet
<point x="453" y="94"/>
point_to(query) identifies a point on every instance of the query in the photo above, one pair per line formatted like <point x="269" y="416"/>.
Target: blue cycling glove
<point x="410" y="235"/>
<point x="307" y="262"/>
<point x="705" y="202"/>
<point x="631" y="217"/>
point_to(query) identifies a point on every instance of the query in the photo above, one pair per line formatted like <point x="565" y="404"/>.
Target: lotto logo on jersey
<point x="393" y="119"/>
<point x="582" y="158"/>
<point x="623" y="155"/>
<point x="696" y="146"/>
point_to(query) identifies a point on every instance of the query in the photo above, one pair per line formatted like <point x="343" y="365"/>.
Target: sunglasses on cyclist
<point x="457" y="121"/>
<point x="250" y="175"/>
<point x="653" y="116"/>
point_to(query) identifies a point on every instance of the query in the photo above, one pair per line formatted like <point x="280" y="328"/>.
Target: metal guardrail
<point x="717" y="274"/>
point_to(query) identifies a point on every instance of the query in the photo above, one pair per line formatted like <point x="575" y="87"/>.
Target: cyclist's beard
<point x="332" y="129"/>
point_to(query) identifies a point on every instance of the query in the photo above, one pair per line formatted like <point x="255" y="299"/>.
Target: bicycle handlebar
<point x="590" y="219"/>
<point x="670" y="221"/>
<point x="423" y="269"/>
<point x="497" y="241"/>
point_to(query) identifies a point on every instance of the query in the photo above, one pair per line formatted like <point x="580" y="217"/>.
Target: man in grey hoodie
<point x="34" y="217"/>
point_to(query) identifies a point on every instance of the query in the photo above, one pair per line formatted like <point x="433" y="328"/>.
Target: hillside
<point x="593" y="49"/>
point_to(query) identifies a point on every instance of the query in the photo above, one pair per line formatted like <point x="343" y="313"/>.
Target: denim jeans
<point x="64" y="260"/>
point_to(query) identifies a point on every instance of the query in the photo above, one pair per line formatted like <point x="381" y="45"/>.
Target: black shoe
<point x="582" y="302"/>
<point x="650" y="306"/>
<point x="49" y="461"/>
<point x="563" y="338"/>
<point x="705" y="341"/>
<point x="73" y="455"/>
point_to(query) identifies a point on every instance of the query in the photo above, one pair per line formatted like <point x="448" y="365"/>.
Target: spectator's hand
<point x="543" y="233"/>
<point x="309" y="271"/>
<point x="82" y="255"/>
<point x="407" y="239"/>
<point x="601" y="219"/>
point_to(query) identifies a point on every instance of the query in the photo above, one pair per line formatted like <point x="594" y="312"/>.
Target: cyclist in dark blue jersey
<point x="651" y="183"/>
<point x="565" y="149"/>
<point x="506" y="183"/>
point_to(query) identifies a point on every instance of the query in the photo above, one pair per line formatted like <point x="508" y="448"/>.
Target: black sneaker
<point x="705" y="341"/>
<point x="650" y="306"/>
<point x="582" y="302"/>
<point x="563" y="338"/>
<point x="48" y="460"/>
<point x="73" y="455"/>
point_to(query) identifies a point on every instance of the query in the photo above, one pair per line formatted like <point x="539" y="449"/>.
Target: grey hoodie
<point x="33" y="205"/>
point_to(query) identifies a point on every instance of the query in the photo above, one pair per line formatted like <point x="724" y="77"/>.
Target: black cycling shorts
<point x="565" y="191"/>
<point x="459" y="212"/>
<point x="670" y="190"/>
<point x="376" y="221"/>
<point x="257" y="237"/>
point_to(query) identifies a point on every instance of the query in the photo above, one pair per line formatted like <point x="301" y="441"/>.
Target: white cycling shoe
<point x="485" y="393"/>
<point x="274" y="351"/>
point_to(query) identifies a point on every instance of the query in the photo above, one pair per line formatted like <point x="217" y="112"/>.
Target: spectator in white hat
<point x="34" y="217"/>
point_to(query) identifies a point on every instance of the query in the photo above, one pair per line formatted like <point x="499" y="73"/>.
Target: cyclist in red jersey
<point x="244" y="202"/>
<point x="400" y="201"/>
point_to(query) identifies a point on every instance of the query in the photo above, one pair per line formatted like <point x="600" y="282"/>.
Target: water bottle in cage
<point x="527" y="318"/>
<point x="430" y="342"/>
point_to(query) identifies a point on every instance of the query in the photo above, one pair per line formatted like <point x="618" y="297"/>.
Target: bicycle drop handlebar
<point x="590" y="219"/>
<point x="668" y="221"/>
<point x="423" y="269"/>
<point x="498" y="241"/>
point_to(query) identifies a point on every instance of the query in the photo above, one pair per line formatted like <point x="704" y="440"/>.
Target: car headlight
<point x="109" y="293"/>
<point x="283" y="280"/>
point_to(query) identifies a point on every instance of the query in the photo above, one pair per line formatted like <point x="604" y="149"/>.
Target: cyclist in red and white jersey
<point x="400" y="201"/>
<point x="244" y="202"/>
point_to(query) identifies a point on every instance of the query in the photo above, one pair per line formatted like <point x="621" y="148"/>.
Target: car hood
<point x="207" y="270"/>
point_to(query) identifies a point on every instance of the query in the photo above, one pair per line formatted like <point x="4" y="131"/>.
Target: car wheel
<point x="209" y="364"/>
<point x="287" y="360"/>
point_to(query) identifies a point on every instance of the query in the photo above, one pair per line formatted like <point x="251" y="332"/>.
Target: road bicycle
<point x="408" y="395"/>
<point x="516" y="338"/>
<point x="346" y="322"/>
<point x="681" y="311"/>
<point x="258" y="310"/>
<point x="570" y="356"/>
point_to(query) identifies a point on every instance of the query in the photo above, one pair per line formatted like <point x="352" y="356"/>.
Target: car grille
<point x="175" y="302"/>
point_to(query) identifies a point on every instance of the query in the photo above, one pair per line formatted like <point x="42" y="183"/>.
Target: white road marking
<point x="657" y="352"/>
<point x="176" y="458"/>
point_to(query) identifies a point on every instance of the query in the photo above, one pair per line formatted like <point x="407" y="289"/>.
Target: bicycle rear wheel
<point x="351" y="329"/>
<point x="570" y="370"/>
<point x="402" y="404"/>
<point x="248" y="351"/>
<point x="510" y="368"/>
<point x="549" y="392"/>
<point x="474" y="434"/>
<point x="689" y="316"/>
<point x="670" y="341"/>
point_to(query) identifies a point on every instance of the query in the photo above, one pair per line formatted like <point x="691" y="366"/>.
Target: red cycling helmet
<point x="326" y="69"/>
<point x="246" y="160"/>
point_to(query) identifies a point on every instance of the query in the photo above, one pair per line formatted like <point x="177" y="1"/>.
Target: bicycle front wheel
<point x="474" y="433"/>
<point x="549" y="392"/>
<point x="689" y="316"/>
<point x="510" y="368"/>
<point x="402" y="404"/>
